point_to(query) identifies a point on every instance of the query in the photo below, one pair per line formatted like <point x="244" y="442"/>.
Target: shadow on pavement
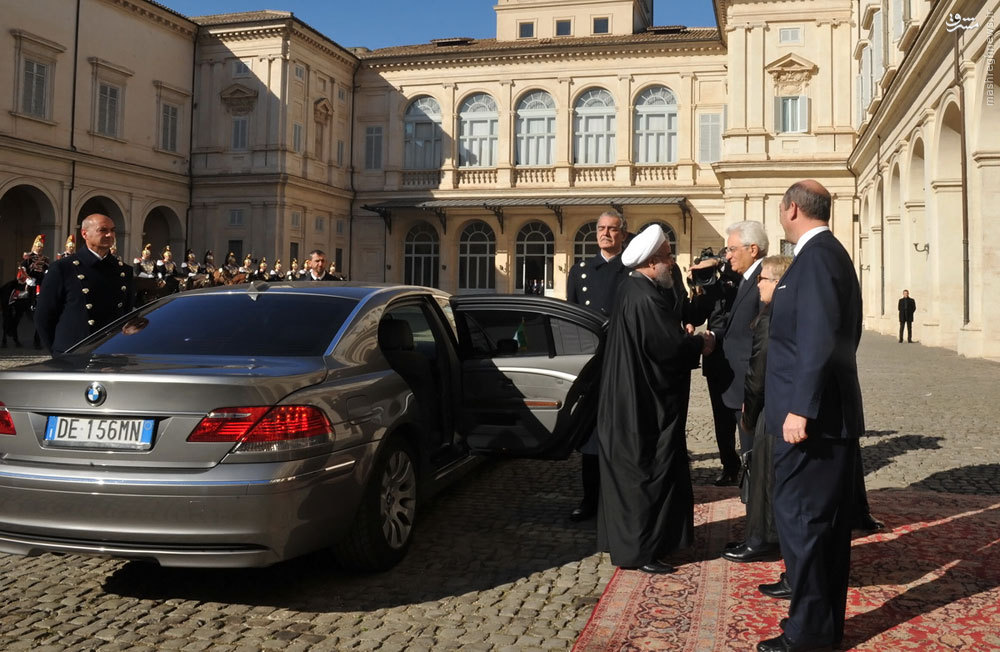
<point x="881" y="454"/>
<point x="501" y="524"/>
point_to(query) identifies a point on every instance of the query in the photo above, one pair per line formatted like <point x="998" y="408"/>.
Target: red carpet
<point x="931" y="581"/>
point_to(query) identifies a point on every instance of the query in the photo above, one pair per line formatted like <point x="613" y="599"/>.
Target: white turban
<point x="643" y="246"/>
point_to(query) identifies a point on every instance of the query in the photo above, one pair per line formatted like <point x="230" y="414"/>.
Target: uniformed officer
<point x="70" y="247"/>
<point x="593" y="283"/>
<point x="36" y="265"/>
<point x="84" y="291"/>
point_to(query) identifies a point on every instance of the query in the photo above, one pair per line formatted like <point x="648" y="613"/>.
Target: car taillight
<point x="227" y="424"/>
<point x="6" y="422"/>
<point x="258" y="429"/>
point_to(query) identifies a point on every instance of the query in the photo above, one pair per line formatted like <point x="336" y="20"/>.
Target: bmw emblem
<point x="96" y="394"/>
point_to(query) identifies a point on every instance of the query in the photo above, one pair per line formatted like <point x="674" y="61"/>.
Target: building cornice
<point x="160" y="15"/>
<point x="708" y="47"/>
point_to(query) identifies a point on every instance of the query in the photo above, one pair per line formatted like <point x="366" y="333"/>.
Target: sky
<point x="382" y="23"/>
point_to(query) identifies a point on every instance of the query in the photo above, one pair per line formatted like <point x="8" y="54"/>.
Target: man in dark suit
<point x="813" y="407"/>
<point x="907" y="307"/>
<point x="594" y="283"/>
<point x="84" y="291"/>
<point x="316" y="268"/>
<point x="724" y="370"/>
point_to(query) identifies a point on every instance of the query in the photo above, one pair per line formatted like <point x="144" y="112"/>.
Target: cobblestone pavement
<point x="496" y="565"/>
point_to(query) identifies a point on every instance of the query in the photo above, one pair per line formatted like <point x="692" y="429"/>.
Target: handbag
<point x="744" y="476"/>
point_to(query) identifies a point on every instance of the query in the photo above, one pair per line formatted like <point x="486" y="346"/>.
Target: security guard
<point x="594" y="283"/>
<point x="84" y="291"/>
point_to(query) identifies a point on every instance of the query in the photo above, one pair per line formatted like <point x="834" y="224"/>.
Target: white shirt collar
<point x="747" y="274"/>
<point x="807" y="236"/>
<point x="96" y="255"/>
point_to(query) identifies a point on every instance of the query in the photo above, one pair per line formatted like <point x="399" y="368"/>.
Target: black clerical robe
<point x="647" y="503"/>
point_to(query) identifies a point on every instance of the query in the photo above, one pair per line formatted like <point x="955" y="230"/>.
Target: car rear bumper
<point x="233" y="515"/>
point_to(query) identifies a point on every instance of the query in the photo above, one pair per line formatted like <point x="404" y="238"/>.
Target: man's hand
<point x="689" y="329"/>
<point x="708" y="339"/>
<point x="708" y="262"/>
<point x="794" y="429"/>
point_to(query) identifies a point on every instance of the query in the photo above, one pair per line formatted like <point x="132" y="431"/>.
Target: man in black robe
<point x="647" y="502"/>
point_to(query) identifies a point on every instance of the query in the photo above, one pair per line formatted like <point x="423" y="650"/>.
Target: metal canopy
<point x="498" y="204"/>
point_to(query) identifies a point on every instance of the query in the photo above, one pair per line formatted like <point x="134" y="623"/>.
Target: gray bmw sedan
<point x="245" y="425"/>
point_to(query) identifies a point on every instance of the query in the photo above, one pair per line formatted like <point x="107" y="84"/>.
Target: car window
<point x="267" y="324"/>
<point x="449" y="314"/>
<point x="423" y="335"/>
<point x="571" y="339"/>
<point x="493" y="333"/>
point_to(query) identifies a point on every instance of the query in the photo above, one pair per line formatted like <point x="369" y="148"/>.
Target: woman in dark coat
<point x="760" y="528"/>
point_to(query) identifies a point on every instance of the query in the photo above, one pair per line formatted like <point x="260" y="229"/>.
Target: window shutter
<point x="779" y="124"/>
<point x="725" y="118"/>
<point x="858" y="107"/>
<point x="897" y="20"/>
<point x="704" y="151"/>
<point x="803" y="113"/>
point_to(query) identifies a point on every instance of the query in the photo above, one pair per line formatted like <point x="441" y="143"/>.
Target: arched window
<point x="594" y="128"/>
<point x="656" y="126"/>
<point x="477" y="128"/>
<point x="477" y="251"/>
<point x="533" y="261"/>
<point x="536" y="129"/>
<point x="585" y="243"/>
<point x="422" y="135"/>
<point x="420" y="256"/>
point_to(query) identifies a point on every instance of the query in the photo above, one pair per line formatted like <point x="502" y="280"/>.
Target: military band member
<point x="190" y="267"/>
<point x="168" y="271"/>
<point x="277" y="274"/>
<point x="70" y="247"/>
<point x="333" y="272"/>
<point x="15" y="300"/>
<point x="247" y="266"/>
<point x="36" y="263"/>
<point x="84" y="291"/>
<point x="145" y="266"/>
<point x="232" y="266"/>
<point x="261" y="273"/>
<point x="208" y="263"/>
<point x="294" y="273"/>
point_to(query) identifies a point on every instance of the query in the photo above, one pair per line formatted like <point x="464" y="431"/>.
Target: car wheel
<point x="383" y="527"/>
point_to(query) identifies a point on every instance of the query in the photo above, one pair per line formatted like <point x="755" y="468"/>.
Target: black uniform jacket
<point x="80" y="294"/>
<point x="594" y="282"/>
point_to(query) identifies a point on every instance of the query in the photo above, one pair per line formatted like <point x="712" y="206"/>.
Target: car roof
<point x="346" y="289"/>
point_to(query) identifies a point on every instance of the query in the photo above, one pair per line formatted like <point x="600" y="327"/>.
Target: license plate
<point x="79" y="432"/>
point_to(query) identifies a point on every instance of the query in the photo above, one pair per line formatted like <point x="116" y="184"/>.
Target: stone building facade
<point x="481" y="165"/>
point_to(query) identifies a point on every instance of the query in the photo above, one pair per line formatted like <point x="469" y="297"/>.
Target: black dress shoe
<point x="727" y="479"/>
<point x="780" y="589"/>
<point x="784" y="644"/>
<point x="868" y="523"/>
<point x="782" y="623"/>
<point x="746" y="553"/>
<point x="734" y="544"/>
<point x="583" y="512"/>
<point x="657" y="568"/>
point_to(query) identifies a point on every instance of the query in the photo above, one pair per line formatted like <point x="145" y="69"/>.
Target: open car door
<point x="530" y="374"/>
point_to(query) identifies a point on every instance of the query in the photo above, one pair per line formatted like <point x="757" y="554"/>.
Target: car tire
<point x="383" y="527"/>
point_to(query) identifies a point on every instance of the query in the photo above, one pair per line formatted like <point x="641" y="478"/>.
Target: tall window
<point x="534" y="255"/>
<point x="34" y="91"/>
<point x="168" y="127"/>
<point x="297" y="137"/>
<point x="373" y="148"/>
<point x="477" y="128"/>
<point x="422" y="135"/>
<point x="791" y="114"/>
<point x="709" y="137"/>
<point x="235" y="217"/>
<point x="656" y="126"/>
<point x="585" y="243"/>
<point x="477" y="250"/>
<point x="108" y="107"/>
<point x="241" y="129"/>
<point x="420" y="256"/>
<point x="536" y="129"/>
<point x="594" y="128"/>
